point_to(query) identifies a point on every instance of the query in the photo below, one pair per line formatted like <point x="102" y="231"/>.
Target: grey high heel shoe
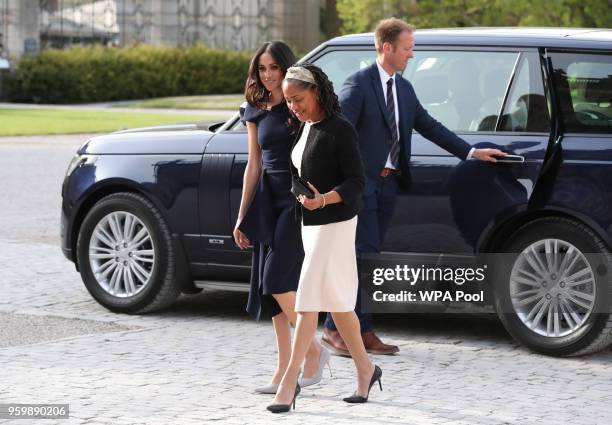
<point x="270" y="388"/>
<point x="324" y="358"/>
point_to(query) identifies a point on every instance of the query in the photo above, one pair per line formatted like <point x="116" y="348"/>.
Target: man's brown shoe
<point x="332" y="340"/>
<point x="374" y="345"/>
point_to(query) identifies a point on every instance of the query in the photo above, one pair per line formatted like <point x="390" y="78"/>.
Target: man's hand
<point x="487" y="154"/>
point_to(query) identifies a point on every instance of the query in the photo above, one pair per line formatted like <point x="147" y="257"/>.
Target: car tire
<point x="566" y="309"/>
<point x="126" y="257"/>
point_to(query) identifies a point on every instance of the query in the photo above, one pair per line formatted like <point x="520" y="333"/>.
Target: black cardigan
<point x="331" y="161"/>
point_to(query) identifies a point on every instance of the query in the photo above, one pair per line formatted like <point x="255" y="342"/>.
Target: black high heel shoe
<point x="283" y="408"/>
<point x="359" y="399"/>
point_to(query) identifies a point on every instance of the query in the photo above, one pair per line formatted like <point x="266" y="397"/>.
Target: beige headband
<point x="300" y="73"/>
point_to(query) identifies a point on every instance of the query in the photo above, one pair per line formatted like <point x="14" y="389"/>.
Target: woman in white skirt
<point x="326" y="154"/>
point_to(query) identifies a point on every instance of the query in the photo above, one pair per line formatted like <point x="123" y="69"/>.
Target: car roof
<point x="595" y="38"/>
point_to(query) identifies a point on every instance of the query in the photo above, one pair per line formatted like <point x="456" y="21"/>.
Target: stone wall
<point x="19" y="26"/>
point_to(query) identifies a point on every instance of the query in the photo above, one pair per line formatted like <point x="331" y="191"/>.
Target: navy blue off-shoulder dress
<point x="270" y="222"/>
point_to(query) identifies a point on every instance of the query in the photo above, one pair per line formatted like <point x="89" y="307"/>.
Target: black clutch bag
<point x="299" y="186"/>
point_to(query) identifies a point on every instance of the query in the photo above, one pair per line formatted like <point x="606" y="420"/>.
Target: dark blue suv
<point x="148" y="213"/>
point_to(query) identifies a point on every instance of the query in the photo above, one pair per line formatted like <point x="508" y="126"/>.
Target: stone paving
<point x="198" y="361"/>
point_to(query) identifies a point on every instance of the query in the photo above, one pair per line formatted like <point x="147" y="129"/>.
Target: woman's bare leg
<point x="286" y="301"/>
<point x="304" y="333"/>
<point x="282" y="330"/>
<point x="347" y="324"/>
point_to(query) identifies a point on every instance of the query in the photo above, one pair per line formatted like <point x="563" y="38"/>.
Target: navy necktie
<point x="395" y="146"/>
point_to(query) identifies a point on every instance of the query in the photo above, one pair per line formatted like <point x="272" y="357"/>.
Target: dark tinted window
<point x="526" y="109"/>
<point x="583" y="84"/>
<point x="464" y="90"/>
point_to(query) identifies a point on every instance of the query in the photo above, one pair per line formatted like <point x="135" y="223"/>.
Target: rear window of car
<point x="467" y="91"/>
<point x="583" y="84"/>
<point x="464" y="90"/>
<point x="526" y="106"/>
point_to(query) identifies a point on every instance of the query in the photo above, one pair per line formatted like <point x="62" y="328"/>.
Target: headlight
<point x="79" y="160"/>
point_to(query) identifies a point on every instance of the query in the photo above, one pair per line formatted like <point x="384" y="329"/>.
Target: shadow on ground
<point x="448" y="326"/>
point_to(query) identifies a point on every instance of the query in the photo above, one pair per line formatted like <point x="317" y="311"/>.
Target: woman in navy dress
<point x="267" y="217"/>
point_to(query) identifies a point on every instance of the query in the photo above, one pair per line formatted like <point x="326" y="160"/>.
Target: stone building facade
<point x="27" y="26"/>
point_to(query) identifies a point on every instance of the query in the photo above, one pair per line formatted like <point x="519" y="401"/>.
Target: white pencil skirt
<point x="328" y="280"/>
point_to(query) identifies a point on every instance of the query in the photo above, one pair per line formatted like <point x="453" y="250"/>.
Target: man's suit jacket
<point x="363" y="103"/>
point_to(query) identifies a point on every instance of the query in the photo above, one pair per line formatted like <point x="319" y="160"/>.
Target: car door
<point x="216" y="256"/>
<point x="490" y="98"/>
<point x="583" y="181"/>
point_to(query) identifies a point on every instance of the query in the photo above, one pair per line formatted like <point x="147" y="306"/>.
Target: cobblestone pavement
<point x="199" y="361"/>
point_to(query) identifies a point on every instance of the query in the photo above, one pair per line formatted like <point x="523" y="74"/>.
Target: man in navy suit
<point x="384" y="109"/>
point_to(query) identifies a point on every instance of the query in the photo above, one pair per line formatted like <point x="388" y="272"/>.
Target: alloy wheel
<point x="552" y="288"/>
<point x="121" y="254"/>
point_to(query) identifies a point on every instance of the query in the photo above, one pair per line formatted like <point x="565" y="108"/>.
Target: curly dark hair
<point x="254" y="90"/>
<point x="328" y="100"/>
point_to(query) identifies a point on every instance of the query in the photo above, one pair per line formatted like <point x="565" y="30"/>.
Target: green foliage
<point x="98" y="74"/>
<point x="363" y="15"/>
<point x="550" y="13"/>
<point x="463" y="13"/>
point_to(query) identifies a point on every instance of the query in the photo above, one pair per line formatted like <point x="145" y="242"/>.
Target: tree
<point x="332" y="19"/>
<point x="454" y="13"/>
<point x="467" y="13"/>
<point x="568" y="13"/>
<point x="362" y="15"/>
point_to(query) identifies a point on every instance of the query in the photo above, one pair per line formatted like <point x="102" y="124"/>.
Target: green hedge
<point x="99" y="74"/>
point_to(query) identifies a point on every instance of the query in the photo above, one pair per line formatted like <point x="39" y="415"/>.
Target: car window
<point x="238" y="125"/>
<point x="339" y="64"/>
<point x="583" y="83"/>
<point x="526" y="109"/>
<point x="464" y="90"/>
